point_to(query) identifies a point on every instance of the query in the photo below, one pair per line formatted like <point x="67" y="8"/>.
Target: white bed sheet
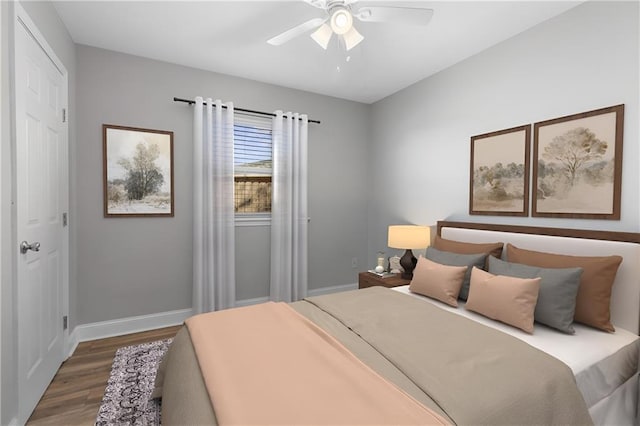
<point x="600" y="361"/>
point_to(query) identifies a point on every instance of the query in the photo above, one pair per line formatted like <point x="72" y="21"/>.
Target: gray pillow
<point x="456" y="259"/>
<point x="558" y="290"/>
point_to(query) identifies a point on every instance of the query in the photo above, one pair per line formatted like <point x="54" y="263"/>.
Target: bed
<point x="447" y="358"/>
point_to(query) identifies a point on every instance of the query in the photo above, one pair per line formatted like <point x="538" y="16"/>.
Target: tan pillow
<point x="441" y="282"/>
<point x="594" y="292"/>
<point x="506" y="299"/>
<point x="493" y="249"/>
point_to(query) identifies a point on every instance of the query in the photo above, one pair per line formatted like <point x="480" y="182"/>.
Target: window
<point x="252" y="164"/>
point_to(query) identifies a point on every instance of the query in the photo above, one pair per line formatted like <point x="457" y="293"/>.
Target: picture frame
<point x="499" y="172"/>
<point x="137" y="172"/>
<point x="577" y="169"/>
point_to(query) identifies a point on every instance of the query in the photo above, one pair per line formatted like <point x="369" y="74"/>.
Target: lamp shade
<point x="352" y="38"/>
<point x="409" y="236"/>
<point x="322" y="35"/>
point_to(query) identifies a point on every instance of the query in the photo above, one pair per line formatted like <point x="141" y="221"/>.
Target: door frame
<point x="20" y="17"/>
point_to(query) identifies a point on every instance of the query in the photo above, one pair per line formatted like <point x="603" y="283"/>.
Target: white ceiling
<point x="230" y="37"/>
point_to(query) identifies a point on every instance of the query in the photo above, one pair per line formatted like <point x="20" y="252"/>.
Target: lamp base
<point x="408" y="262"/>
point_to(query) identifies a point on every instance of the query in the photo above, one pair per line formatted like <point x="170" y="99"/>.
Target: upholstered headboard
<point x="625" y="298"/>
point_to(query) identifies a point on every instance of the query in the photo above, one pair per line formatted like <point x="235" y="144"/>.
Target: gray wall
<point x="135" y="266"/>
<point x="584" y="59"/>
<point x="46" y="19"/>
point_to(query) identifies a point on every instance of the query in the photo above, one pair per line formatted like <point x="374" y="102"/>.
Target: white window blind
<point x="252" y="163"/>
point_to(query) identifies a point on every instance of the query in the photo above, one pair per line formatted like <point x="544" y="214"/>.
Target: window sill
<point x="253" y="220"/>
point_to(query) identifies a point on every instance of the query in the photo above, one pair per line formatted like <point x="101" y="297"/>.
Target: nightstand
<point x="367" y="279"/>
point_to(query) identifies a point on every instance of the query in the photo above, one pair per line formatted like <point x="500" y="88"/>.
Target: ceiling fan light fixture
<point x="322" y="36"/>
<point x="341" y="21"/>
<point x="352" y="38"/>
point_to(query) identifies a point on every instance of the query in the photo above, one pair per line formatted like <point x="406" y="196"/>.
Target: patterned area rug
<point x="126" y="398"/>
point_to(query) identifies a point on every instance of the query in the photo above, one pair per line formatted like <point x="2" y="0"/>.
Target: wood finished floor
<point x="74" y="395"/>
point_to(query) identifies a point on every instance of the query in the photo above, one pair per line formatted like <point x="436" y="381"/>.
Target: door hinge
<point x="64" y="115"/>
<point x="65" y="322"/>
<point x="64" y="219"/>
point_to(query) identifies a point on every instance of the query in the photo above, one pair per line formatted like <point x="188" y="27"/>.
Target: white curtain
<point x="214" y="283"/>
<point x="289" y="214"/>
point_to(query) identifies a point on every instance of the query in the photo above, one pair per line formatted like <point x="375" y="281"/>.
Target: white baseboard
<point x="332" y="289"/>
<point x="119" y="327"/>
<point x="310" y="293"/>
<point x="254" y="301"/>
<point x="122" y="326"/>
<point x="72" y="343"/>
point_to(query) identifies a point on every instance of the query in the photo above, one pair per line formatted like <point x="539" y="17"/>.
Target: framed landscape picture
<point x="577" y="169"/>
<point x="137" y="172"/>
<point x="499" y="175"/>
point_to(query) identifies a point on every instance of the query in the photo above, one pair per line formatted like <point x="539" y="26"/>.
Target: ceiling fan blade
<point x="400" y="15"/>
<point x="320" y="4"/>
<point x="407" y="4"/>
<point x="296" y="31"/>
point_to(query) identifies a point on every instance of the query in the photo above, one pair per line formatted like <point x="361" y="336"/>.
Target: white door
<point x="41" y="149"/>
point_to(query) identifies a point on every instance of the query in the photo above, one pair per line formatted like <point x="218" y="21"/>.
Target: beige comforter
<point x="273" y="354"/>
<point x="464" y="371"/>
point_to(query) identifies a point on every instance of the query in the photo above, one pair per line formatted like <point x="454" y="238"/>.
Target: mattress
<point x="600" y="361"/>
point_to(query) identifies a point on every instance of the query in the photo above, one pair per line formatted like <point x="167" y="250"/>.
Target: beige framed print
<point x="137" y="172"/>
<point x="499" y="175"/>
<point x="577" y="169"/>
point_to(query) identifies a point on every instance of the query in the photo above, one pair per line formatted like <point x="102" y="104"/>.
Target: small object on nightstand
<point x="394" y="265"/>
<point x="380" y="263"/>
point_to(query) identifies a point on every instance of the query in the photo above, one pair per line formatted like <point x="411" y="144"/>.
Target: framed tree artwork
<point x="577" y="169"/>
<point x="499" y="175"/>
<point x="137" y="172"/>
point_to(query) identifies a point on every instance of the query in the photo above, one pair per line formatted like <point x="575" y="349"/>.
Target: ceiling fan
<point x="339" y="16"/>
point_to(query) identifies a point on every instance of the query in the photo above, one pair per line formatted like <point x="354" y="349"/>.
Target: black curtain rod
<point x="270" y="114"/>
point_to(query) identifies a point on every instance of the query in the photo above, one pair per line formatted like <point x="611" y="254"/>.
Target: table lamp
<point x="409" y="237"/>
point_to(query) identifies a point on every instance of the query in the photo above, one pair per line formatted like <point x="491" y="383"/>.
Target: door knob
<point x="25" y="246"/>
